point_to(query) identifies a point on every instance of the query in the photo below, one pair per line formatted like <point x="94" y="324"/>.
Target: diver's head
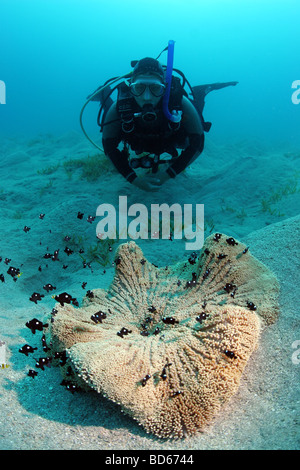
<point x="149" y="66"/>
<point x="147" y="84"/>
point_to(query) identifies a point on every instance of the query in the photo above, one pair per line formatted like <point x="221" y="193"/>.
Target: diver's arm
<point x="111" y="138"/>
<point x="192" y="123"/>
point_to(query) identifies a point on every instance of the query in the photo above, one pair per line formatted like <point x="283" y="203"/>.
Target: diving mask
<point x="155" y="87"/>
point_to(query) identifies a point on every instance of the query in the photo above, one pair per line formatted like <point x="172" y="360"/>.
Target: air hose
<point x="87" y="102"/>
<point x="175" y="116"/>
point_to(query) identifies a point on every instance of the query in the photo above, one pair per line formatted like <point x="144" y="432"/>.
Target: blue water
<point x="54" y="53"/>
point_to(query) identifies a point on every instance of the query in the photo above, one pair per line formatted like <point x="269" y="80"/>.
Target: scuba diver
<point x="141" y="119"/>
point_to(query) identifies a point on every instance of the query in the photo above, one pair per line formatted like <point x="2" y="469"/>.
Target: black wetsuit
<point x="156" y="138"/>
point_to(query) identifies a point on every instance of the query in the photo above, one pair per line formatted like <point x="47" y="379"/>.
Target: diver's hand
<point x="147" y="183"/>
<point x="162" y="176"/>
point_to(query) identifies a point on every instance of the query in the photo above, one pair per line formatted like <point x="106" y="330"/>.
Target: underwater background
<point x="53" y="55"/>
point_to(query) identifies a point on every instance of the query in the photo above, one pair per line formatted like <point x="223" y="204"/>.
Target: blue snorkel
<point x="176" y="115"/>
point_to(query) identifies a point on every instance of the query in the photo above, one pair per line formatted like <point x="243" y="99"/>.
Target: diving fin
<point x="200" y="92"/>
<point x="102" y="96"/>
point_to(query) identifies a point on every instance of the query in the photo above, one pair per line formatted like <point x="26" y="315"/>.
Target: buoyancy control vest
<point x="156" y="135"/>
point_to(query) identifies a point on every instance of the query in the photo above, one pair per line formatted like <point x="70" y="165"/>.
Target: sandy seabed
<point x="249" y="191"/>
